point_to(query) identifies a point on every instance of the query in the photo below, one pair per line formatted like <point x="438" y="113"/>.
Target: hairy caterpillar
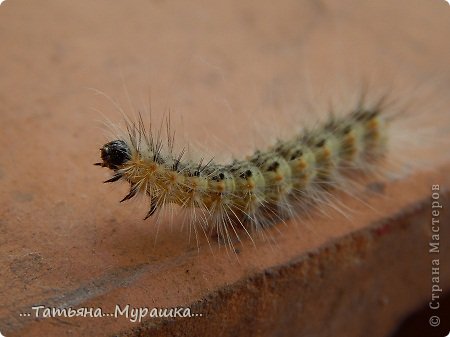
<point x="252" y="193"/>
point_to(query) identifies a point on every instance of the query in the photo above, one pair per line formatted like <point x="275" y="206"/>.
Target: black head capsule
<point x="114" y="154"/>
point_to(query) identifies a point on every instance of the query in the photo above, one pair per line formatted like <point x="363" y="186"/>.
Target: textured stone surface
<point x="66" y="241"/>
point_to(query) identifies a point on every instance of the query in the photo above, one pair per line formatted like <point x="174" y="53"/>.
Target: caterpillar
<point x="254" y="193"/>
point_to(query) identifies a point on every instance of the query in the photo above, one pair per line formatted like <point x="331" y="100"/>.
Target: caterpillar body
<point x="254" y="193"/>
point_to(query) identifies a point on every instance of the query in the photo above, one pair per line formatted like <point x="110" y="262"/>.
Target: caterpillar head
<point x="114" y="154"/>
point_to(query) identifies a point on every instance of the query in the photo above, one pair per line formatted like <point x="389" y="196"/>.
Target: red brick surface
<point x="66" y="241"/>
